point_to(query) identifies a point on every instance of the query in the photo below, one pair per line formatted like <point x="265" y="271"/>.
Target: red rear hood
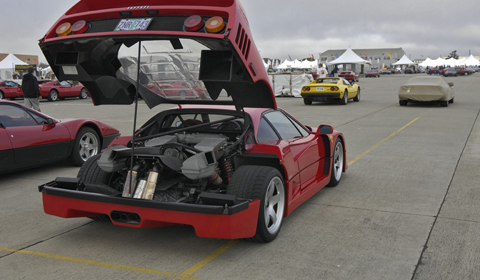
<point x="233" y="63"/>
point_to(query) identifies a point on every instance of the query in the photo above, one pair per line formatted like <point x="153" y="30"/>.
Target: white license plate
<point x="133" y="24"/>
<point x="320" y="88"/>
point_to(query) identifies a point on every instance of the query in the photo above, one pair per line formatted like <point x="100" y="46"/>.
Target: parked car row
<point x="51" y="90"/>
<point x="452" y="71"/>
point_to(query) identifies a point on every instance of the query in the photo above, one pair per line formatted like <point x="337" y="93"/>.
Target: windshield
<point x="167" y="69"/>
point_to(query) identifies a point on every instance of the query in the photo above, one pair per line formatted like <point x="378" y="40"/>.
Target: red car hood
<point x="231" y="64"/>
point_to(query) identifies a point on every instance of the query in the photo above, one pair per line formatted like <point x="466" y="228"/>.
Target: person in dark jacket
<point x="31" y="92"/>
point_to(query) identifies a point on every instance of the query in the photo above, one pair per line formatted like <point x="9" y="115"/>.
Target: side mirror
<point x="324" y="129"/>
<point x="50" y="122"/>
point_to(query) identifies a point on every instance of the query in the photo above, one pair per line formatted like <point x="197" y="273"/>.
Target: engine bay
<point x="177" y="158"/>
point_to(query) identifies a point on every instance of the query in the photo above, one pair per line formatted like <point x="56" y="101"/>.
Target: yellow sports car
<point x="330" y="89"/>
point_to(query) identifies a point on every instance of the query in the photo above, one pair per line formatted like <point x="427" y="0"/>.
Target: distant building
<point x="378" y="57"/>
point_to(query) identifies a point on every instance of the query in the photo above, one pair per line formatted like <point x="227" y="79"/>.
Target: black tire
<point x="344" y="100"/>
<point x="307" y="101"/>
<point x="87" y="144"/>
<point x="403" y="102"/>
<point x="53" y="95"/>
<point x="444" y="103"/>
<point x="255" y="182"/>
<point x="1" y="95"/>
<point x="451" y="100"/>
<point x="83" y="94"/>
<point x="338" y="162"/>
<point x="357" y="97"/>
<point x="90" y="172"/>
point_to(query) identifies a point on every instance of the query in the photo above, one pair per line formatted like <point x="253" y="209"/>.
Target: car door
<point x="303" y="145"/>
<point x="17" y="90"/>
<point x="33" y="140"/>
<point x="349" y="88"/>
<point x="69" y="89"/>
<point x="7" y="159"/>
<point x="64" y="89"/>
<point x="12" y="89"/>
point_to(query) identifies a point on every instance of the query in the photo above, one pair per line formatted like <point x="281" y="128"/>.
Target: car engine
<point x="176" y="167"/>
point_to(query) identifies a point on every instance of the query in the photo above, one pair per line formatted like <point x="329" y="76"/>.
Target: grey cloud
<point x="299" y="28"/>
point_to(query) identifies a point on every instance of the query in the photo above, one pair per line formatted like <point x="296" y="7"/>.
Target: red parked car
<point x="349" y="76"/>
<point x="55" y="90"/>
<point x="372" y="73"/>
<point x="183" y="90"/>
<point x="232" y="166"/>
<point x="464" y="71"/>
<point x="10" y="89"/>
<point x="29" y="138"/>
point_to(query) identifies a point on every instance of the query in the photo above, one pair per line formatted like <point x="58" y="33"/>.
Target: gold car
<point x="330" y="89"/>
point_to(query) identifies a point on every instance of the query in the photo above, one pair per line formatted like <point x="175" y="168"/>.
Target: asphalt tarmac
<point x="407" y="207"/>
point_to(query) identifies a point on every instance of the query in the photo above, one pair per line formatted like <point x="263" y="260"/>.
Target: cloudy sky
<point x="297" y="28"/>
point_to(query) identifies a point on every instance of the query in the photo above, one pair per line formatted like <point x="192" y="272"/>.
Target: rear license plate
<point x="133" y="24"/>
<point x="320" y="88"/>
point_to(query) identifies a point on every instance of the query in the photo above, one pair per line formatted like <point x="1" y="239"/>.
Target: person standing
<point x="335" y="71"/>
<point x="31" y="92"/>
<point x="321" y="71"/>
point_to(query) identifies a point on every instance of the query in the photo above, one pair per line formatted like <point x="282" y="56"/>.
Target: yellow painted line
<point x="90" y="262"/>
<point x="187" y="273"/>
<point x="385" y="139"/>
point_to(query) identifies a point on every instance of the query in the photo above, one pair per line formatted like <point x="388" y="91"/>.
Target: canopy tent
<point x="349" y="57"/>
<point x="404" y="61"/>
<point x="427" y="63"/>
<point x="10" y="61"/>
<point x="306" y="64"/>
<point x="298" y="64"/>
<point x="439" y="61"/>
<point x="7" y="66"/>
<point x="470" y="61"/>
<point x="452" y="62"/>
<point x="286" y="64"/>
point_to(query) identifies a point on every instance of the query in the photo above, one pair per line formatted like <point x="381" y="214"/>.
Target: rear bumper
<point x="229" y="222"/>
<point x="321" y="96"/>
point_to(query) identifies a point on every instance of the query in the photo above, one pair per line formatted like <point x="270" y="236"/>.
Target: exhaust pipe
<point x="125" y="217"/>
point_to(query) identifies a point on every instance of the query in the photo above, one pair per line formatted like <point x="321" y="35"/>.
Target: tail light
<point x="79" y="27"/>
<point x="306" y="88"/>
<point x="334" y="88"/>
<point x="64" y="29"/>
<point x="193" y="23"/>
<point x="215" y="24"/>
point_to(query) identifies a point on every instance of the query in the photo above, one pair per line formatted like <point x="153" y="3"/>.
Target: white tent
<point x="308" y="64"/>
<point x="7" y="66"/>
<point x="439" y="62"/>
<point x="286" y="64"/>
<point x="427" y="63"/>
<point x="404" y="61"/>
<point x="452" y="62"/>
<point x="470" y="61"/>
<point x="349" y="57"/>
